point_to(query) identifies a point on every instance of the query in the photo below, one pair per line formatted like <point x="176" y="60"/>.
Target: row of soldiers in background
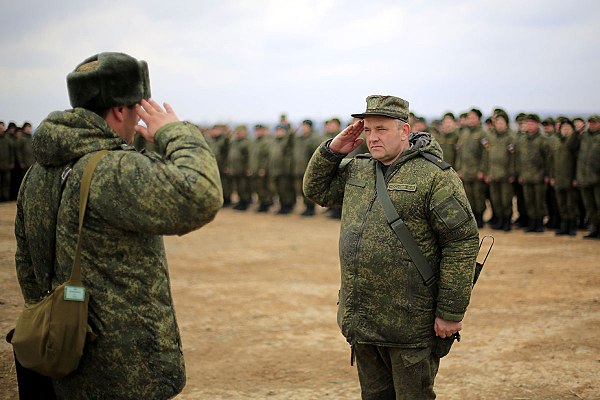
<point x="552" y="167"/>
<point x="16" y="157"/>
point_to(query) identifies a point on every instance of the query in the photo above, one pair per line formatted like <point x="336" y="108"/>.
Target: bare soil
<point x="256" y="295"/>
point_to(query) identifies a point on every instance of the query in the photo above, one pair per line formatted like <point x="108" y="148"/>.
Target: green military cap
<point x="388" y="106"/>
<point x="259" y="126"/>
<point x="562" y="119"/>
<point x="594" y="118"/>
<point x="476" y="111"/>
<point x="308" y="122"/>
<point x="548" y="121"/>
<point x="521" y="117"/>
<point x="450" y="115"/>
<point x="241" y="127"/>
<point x="534" y="117"/>
<point x="108" y="79"/>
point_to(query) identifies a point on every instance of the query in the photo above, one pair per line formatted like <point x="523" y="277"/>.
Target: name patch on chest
<point x="402" y="186"/>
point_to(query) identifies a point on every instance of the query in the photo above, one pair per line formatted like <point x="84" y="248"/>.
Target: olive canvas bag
<point x="50" y="335"/>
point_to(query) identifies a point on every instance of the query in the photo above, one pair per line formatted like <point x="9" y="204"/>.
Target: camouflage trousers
<point x="298" y="185"/>
<point x="241" y="185"/>
<point x="226" y="185"/>
<point x="567" y="204"/>
<point x="591" y="201"/>
<point x="535" y="198"/>
<point x="261" y="185"/>
<point x="396" y="374"/>
<point x="501" y="194"/>
<point x="283" y="186"/>
<point x="4" y="185"/>
<point x="475" y="191"/>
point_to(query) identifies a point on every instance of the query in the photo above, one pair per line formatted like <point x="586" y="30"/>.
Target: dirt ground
<point x="256" y="299"/>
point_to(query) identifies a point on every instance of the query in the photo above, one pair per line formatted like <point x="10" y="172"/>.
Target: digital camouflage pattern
<point x="588" y="161"/>
<point x="24" y="151"/>
<point x="533" y="154"/>
<point x="134" y="200"/>
<point x="448" y="142"/>
<point x="382" y="298"/>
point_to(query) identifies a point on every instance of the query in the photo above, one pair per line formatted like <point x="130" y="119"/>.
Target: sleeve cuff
<point x="329" y="154"/>
<point x="449" y="316"/>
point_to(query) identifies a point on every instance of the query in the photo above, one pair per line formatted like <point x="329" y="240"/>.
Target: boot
<point x="572" y="228"/>
<point x="241" y="206"/>
<point x="499" y="224"/>
<point x="263" y="207"/>
<point x="594" y="234"/>
<point x="564" y="228"/>
<point x="479" y="220"/>
<point x="309" y="212"/>
<point x="507" y="225"/>
<point x="539" y="225"/>
<point x="532" y="225"/>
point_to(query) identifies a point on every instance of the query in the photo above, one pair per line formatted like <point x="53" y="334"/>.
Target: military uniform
<point x="469" y="163"/>
<point x="383" y="304"/>
<point x="219" y="144"/>
<point x="533" y="168"/>
<point x="304" y="146"/>
<point x="588" y="177"/>
<point x="448" y="142"/>
<point x="7" y="163"/>
<point x="259" y="168"/>
<point x="281" y="170"/>
<point x="562" y="172"/>
<point x="500" y="169"/>
<point x="239" y="167"/>
<point x="134" y="199"/>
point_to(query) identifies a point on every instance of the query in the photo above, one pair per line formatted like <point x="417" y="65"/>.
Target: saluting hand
<point x="154" y="116"/>
<point x="348" y="139"/>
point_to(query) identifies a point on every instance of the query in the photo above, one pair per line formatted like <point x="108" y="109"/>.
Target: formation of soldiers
<point x="549" y="171"/>
<point x="16" y="157"/>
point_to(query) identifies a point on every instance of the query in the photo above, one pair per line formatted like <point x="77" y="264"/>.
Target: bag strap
<point x="84" y="193"/>
<point x="407" y="240"/>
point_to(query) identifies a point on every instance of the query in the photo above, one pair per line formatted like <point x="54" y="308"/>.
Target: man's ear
<point x="406" y="130"/>
<point x="117" y="113"/>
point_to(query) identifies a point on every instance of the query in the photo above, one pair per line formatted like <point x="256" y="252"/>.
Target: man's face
<point x="260" y="132"/>
<point x="472" y="120"/>
<point x="549" y="129"/>
<point x="306" y="128"/>
<point x="566" y="130"/>
<point x="241" y="133"/>
<point x="579" y="125"/>
<point x="1" y="129"/>
<point x="500" y="125"/>
<point x="279" y="132"/>
<point x="386" y="137"/>
<point x="448" y="124"/>
<point x="532" y="126"/>
<point x="594" y="126"/>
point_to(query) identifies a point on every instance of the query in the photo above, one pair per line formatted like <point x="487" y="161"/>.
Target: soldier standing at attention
<point x="533" y="170"/>
<point x="24" y="153"/>
<point x="588" y="175"/>
<point x="448" y="138"/>
<point x="305" y="145"/>
<point x="562" y="177"/>
<point x="470" y="161"/>
<point x="260" y="153"/>
<point x="500" y="170"/>
<point x="281" y="169"/>
<point x="134" y="199"/>
<point x="523" y="220"/>
<point x="7" y="163"/>
<point x="239" y="167"/>
<point x="553" y="143"/>
<point x="387" y="314"/>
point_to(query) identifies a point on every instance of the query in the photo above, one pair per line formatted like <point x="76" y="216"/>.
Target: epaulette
<point x="436" y="160"/>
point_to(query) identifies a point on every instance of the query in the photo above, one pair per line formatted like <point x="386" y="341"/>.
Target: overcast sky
<point x="249" y="60"/>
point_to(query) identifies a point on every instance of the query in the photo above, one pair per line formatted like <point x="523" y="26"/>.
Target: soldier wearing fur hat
<point x="134" y="199"/>
<point x="387" y="314"/>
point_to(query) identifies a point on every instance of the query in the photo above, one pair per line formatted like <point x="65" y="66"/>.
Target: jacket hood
<point x="421" y="142"/>
<point x="65" y="136"/>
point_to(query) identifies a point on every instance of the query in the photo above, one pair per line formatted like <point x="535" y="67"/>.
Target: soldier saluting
<point x="387" y="314"/>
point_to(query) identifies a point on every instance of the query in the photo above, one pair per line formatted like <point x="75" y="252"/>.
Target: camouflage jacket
<point x="382" y="299"/>
<point x="7" y="153"/>
<point x="448" y="142"/>
<point x="533" y="158"/>
<point x="588" y="162"/>
<point x="470" y="153"/>
<point x="564" y="161"/>
<point x="239" y="156"/>
<point x="134" y="200"/>
<point x="280" y="156"/>
<point x="24" y="151"/>
<point x="500" y="159"/>
<point x="304" y="147"/>
<point x="259" y="154"/>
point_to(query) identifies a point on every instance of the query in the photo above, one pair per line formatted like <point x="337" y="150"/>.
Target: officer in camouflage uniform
<point x="260" y="151"/>
<point x="562" y="176"/>
<point x="448" y="138"/>
<point x="470" y="162"/>
<point x="281" y="169"/>
<point x="239" y="167"/>
<point x="7" y="163"/>
<point x="305" y="145"/>
<point x="134" y="199"/>
<point x="533" y="170"/>
<point x="588" y="175"/>
<point x="386" y="313"/>
<point x="500" y="170"/>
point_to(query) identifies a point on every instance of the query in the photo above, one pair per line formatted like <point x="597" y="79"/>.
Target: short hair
<point x="476" y="111"/>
